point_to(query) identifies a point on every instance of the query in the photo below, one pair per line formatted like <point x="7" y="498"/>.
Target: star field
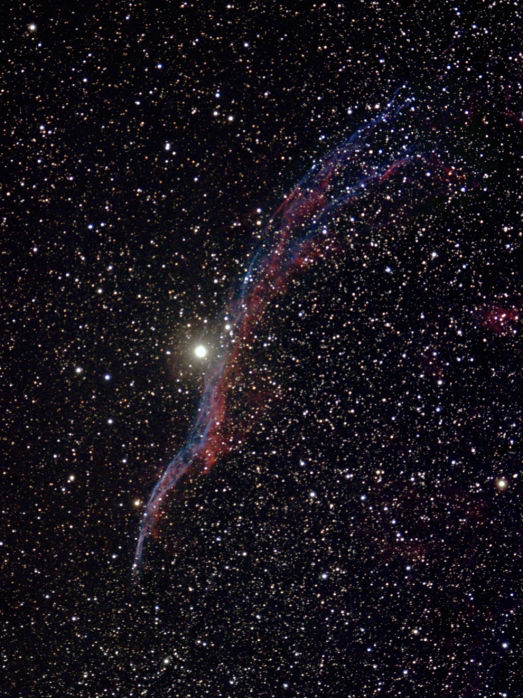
<point x="359" y="533"/>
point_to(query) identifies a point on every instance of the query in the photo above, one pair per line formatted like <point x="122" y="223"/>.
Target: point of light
<point x="200" y="351"/>
<point x="501" y="483"/>
<point x="32" y="27"/>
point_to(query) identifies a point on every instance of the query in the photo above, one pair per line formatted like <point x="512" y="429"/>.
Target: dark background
<point x="359" y="543"/>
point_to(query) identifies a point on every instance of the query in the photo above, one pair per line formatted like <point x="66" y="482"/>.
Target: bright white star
<point x="200" y="351"/>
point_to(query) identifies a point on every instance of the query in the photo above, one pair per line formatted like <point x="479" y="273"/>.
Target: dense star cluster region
<point x="262" y="349"/>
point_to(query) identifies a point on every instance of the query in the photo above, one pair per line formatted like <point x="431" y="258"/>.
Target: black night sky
<point x="358" y="532"/>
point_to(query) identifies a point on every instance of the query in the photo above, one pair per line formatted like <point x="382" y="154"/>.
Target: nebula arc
<point x="297" y="232"/>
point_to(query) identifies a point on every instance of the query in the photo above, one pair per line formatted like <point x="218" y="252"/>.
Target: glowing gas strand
<point x="297" y="229"/>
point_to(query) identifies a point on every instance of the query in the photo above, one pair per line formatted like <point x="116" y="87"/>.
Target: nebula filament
<point x="384" y="147"/>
